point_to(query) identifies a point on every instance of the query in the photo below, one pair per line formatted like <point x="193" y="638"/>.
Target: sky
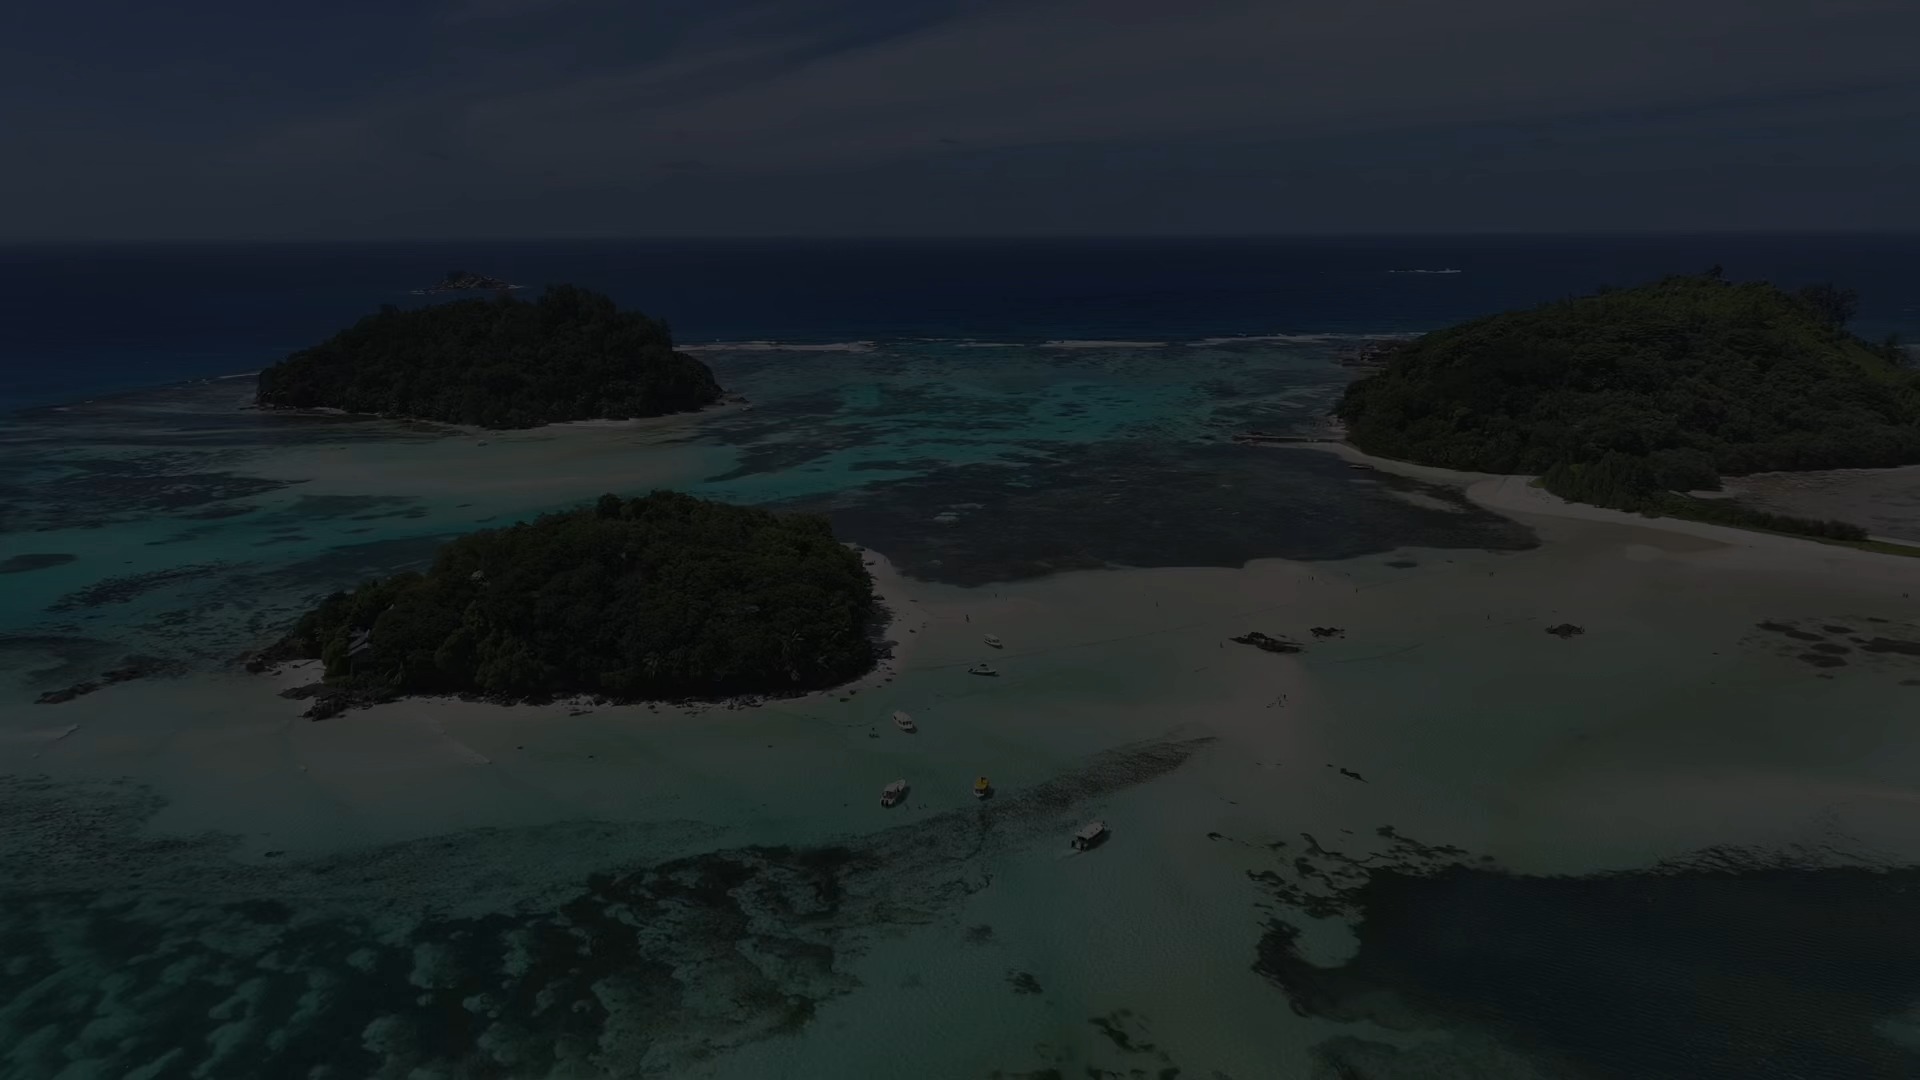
<point x="429" y="119"/>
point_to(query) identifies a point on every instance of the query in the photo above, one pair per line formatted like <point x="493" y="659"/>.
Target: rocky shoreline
<point x="1371" y="355"/>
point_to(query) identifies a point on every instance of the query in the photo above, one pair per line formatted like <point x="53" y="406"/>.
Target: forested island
<point x="661" y="597"/>
<point x="497" y="363"/>
<point x="1631" y="397"/>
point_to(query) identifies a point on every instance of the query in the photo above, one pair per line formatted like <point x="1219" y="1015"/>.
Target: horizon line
<point x="1480" y="234"/>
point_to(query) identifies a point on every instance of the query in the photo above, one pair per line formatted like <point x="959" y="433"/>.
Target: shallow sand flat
<point x="1444" y="680"/>
<point x="1673" y="723"/>
<point x="1664" y="729"/>
<point x="1081" y="672"/>
<point x="37" y="737"/>
<point x="1685" y="586"/>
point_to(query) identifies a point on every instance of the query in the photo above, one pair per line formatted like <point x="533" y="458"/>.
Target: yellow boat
<point x="982" y="789"/>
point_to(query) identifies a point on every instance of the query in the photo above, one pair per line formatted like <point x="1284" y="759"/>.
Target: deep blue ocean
<point x="77" y="322"/>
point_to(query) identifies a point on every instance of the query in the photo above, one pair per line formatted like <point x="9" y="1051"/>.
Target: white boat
<point x="1090" y="834"/>
<point x="993" y="642"/>
<point x="904" y="722"/>
<point x="981" y="669"/>
<point x="893" y="793"/>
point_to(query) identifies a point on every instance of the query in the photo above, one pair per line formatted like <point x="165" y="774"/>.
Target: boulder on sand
<point x="1268" y="643"/>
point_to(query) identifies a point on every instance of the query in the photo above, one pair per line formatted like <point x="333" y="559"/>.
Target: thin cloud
<point x="1082" y="72"/>
<point x="870" y="115"/>
<point x="463" y="11"/>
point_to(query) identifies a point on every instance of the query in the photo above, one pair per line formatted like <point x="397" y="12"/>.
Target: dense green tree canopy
<point x="1696" y="375"/>
<point x="498" y="363"/>
<point x="1623" y="482"/>
<point x="659" y="597"/>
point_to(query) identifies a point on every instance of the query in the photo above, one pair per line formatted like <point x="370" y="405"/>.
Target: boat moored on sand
<point x="1090" y="834"/>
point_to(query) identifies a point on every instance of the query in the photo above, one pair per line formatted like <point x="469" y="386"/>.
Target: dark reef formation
<point x="1140" y="503"/>
<point x="623" y="951"/>
<point x="39" y="560"/>
<point x="133" y="667"/>
<point x="1729" y="964"/>
<point x="1827" y="644"/>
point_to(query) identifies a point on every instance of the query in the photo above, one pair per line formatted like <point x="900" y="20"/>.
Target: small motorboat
<point x="993" y="642"/>
<point x="981" y="669"/>
<point x="981" y="788"/>
<point x="893" y="793"/>
<point x="904" y="722"/>
<point x="1090" y="834"/>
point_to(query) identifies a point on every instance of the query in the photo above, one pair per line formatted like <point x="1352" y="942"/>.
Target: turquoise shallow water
<point x="177" y="527"/>
<point x="194" y="528"/>
<point x="196" y="883"/>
